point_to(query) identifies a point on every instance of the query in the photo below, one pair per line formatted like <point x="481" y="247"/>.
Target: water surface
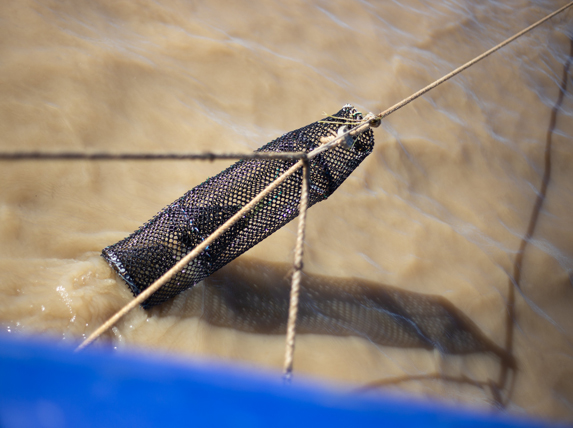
<point x="441" y="206"/>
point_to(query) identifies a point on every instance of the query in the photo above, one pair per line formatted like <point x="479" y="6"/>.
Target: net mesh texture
<point x="149" y="252"/>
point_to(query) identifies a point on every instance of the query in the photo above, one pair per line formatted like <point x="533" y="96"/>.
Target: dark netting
<point x="145" y="255"/>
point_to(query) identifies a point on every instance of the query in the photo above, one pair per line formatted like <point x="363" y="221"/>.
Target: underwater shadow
<point x="252" y="296"/>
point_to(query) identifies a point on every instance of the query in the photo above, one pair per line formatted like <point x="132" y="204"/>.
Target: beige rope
<point x="467" y="64"/>
<point x="208" y="241"/>
<point x="188" y="258"/>
<point x="369" y="121"/>
<point x="297" y="274"/>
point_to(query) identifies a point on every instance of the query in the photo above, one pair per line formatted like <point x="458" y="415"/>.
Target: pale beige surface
<point x="440" y="206"/>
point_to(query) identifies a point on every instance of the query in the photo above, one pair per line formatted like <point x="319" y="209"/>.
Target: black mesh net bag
<point x="145" y="255"/>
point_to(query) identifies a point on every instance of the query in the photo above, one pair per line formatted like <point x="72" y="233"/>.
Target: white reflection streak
<point x="565" y="261"/>
<point x="336" y="20"/>
<point x="536" y="309"/>
<point x="253" y="46"/>
<point x="376" y="265"/>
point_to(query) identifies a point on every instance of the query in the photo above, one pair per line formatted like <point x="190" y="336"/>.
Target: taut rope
<point x="468" y="64"/>
<point x="297" y="274"/>
<point x="368" y="122"/>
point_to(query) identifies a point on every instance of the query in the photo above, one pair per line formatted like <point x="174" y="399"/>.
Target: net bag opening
<point x="149" y="252"/>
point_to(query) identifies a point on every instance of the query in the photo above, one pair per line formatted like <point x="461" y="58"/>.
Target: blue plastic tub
<point x="43" y="385"/>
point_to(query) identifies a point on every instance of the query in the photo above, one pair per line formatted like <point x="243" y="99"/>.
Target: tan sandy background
<point x="440" y="207"/>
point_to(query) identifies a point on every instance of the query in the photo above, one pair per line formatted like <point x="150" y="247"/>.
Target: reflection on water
<point x="440" y="208"/>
